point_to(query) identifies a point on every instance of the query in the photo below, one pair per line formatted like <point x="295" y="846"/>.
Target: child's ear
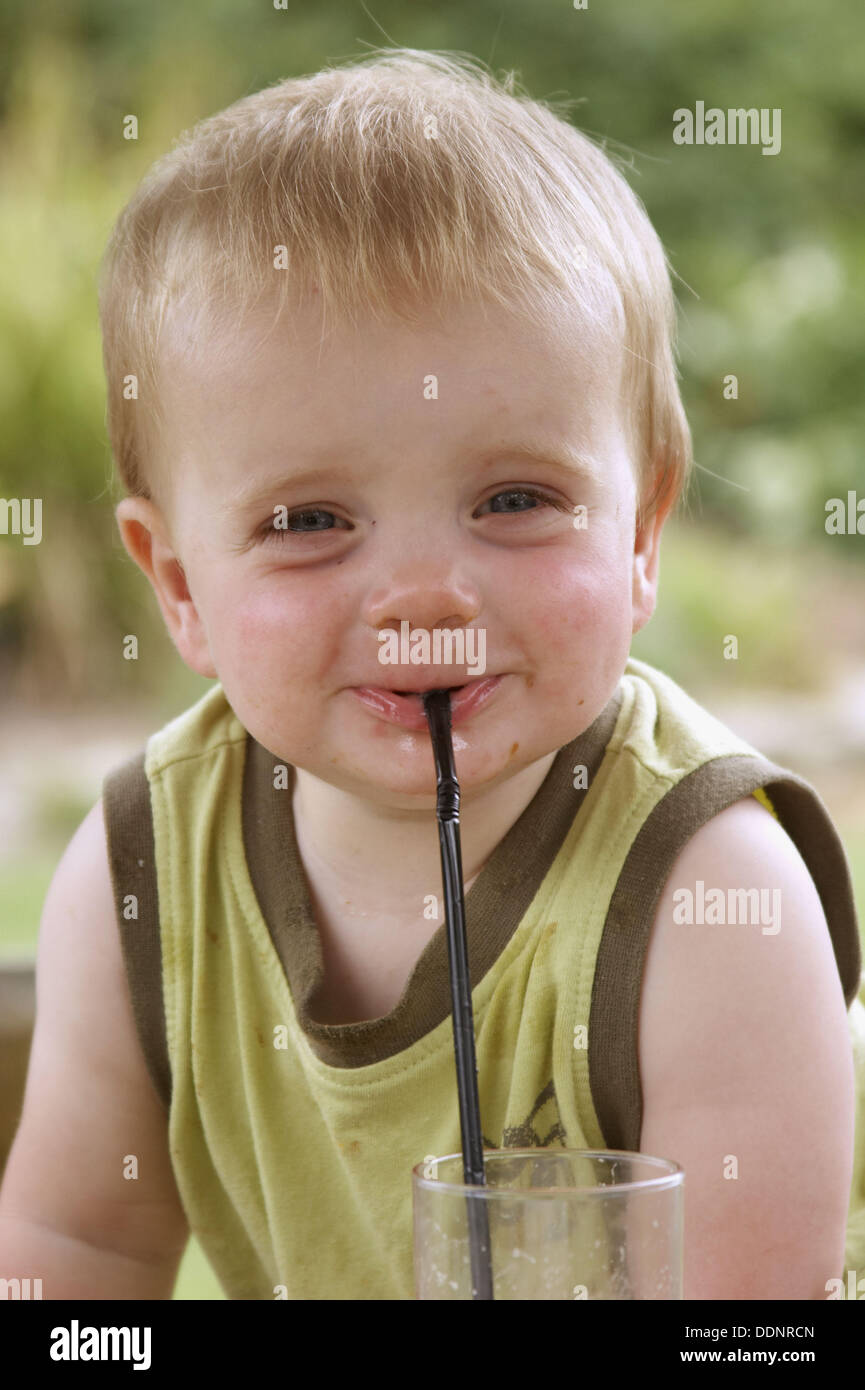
<point x="147" y="540"/>
<point x="647" y="554"/>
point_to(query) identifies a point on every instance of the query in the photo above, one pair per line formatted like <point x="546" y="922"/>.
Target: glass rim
<point x="672" y="1176"/>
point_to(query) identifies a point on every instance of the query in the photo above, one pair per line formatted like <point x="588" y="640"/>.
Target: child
<point x="389" y="350"/>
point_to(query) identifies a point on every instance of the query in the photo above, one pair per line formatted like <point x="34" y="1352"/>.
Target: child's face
<point x="400" y="443"/>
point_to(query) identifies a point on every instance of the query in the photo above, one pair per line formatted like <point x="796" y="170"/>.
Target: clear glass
<point x="563" y="1224"/>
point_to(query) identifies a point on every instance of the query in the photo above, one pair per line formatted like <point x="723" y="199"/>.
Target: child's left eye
<point x="527" y="492"/>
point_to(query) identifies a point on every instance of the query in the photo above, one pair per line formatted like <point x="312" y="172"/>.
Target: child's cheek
<point x="582" y="624"/>
<point x="572" y="598"/>
<point x="268" y="631"/>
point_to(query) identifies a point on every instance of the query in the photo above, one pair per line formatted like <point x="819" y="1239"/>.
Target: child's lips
<point x="406" y="708"/>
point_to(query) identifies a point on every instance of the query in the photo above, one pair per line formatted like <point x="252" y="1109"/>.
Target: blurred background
<point x="770" y="257"/>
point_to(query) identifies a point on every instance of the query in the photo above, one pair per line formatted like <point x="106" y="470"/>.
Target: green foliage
<point x="713" y="587"/>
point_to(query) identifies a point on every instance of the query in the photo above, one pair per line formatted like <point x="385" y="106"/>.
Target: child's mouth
<point x="405" y="707"/>
<point x="416" y="694"/>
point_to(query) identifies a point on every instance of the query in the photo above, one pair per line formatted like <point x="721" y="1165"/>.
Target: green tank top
<point x="292" y="1141"/>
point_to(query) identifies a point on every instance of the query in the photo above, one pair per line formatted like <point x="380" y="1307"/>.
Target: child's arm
<point x="67" y="1213"/>
<point x="746" y="1063"/>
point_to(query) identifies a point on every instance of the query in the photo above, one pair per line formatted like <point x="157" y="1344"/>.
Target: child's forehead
<point x="479" y="340"/>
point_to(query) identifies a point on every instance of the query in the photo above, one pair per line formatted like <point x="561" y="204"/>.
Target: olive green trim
<point x="132" y="858"/>
<point x="614" y="1074"/>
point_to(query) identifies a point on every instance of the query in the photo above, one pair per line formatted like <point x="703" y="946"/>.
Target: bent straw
<point x="437" y="708"/>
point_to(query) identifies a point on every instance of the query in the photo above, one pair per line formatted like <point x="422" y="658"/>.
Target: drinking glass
<point x="563" y="1224"/>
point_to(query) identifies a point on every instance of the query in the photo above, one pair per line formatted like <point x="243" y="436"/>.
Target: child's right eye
<point x="270" y="527"/>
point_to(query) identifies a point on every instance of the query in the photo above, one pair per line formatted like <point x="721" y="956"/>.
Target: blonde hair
<point x="403" y="177"/>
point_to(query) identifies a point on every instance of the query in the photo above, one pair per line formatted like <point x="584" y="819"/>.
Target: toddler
<point x="390" y="361"/>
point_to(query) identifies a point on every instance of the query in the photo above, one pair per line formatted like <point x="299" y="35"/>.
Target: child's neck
<point x="379" y="858"/>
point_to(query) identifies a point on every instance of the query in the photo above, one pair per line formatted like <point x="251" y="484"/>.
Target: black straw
<point x="437" y="708"/>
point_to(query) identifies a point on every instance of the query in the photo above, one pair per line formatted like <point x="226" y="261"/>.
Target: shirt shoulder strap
<point x="132" y="859"/>
<point x="617" y="984"/>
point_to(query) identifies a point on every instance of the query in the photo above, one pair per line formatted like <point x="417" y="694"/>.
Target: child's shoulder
<point x="718" y="804"/>
<point x="743" y="1045"/>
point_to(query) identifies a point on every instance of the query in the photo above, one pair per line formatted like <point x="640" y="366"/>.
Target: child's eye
<point x="319" y="515"/>
<point x="527" y="492"/>
<point x="280" y="532"/>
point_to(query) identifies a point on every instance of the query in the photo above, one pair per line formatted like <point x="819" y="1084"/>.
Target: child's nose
<point x="424" y="601"/>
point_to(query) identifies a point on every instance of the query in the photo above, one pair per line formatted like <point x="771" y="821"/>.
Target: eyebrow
<point x="556" y="454"/>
